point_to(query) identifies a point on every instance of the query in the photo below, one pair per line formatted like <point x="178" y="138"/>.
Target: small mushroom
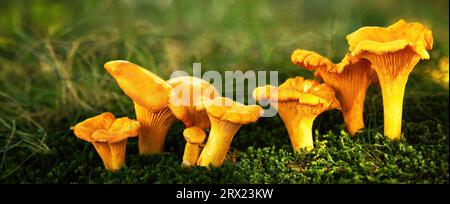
<point x="350" y="79"/>
<point x="393" y="53"/>
<point x="194" y="137"/>
<point x="109" y="137"/>
<point x="226" y="117"/>
<point x="185" y="104"/>
<point x="299" y="102"/>
<point x="150" y="95"/>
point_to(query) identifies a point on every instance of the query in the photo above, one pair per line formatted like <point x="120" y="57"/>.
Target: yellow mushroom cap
<point x="380" y="40"/>
<point x="187" y="107"/>
<point x="307" y="92"/>
<point x="318" y="63"/>
<point x="142" y="86"/>
<point x="311" y="60"/>
<point x="106" y="128"/>
<point x="85" y="129"/>
<point x="226" y="109"/>
<point x="194" y="135"/>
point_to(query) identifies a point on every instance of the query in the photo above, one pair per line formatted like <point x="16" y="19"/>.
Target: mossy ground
<point x="51" y="77"/>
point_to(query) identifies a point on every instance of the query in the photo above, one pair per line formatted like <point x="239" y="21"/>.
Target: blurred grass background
<point x="51" y="76"/>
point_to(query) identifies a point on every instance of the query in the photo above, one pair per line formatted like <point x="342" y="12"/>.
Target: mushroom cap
<point x="226" y="109"/>
<point x="194" y="135"/>
<point x="308" y="92"/>
<point x="106" y="128"/>
<point x="142" y="86"/>
<point x="381" y="40"/>
<point x="267" y="92"/>
<point x="312" y="61"/>
<point x="186" y="108"/>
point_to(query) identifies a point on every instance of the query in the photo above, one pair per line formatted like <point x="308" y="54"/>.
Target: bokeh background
<point x="51" y="75"/>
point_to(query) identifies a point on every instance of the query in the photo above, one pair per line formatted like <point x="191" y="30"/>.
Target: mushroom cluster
<point x="385" y="56"/>
<point x="159" y="103"/>
<point x="377" y="55"/>
<point x="198" y="105"/>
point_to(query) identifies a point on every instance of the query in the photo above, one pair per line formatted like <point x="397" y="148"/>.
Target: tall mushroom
<point x="226" y="117"/>
<point x="393" y="53"/>
<point x="350" y="79"/>
<point x="185" y="104"/>
<point x="299" y="102"/>
<point x="109" y="137"/>
<point x="150" y="95"/>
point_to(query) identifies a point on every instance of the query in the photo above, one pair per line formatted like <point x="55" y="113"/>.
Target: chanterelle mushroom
<point x="194" y="137"/>
<point x="185" y="103"/>
<point x="299" y="102"/>
<point x="150" y="95"/>
<point x="226" y="117"/>
<point x="350" y="79"/>
<point x="109" y="137"/>
<point x="393" y="53"/>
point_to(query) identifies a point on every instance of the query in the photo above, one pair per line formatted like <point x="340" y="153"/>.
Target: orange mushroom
<point x="226" y="117"/>
<point x="109" y="137"/>
<point x="393" y="53"/>
<point x="194" y="137"/>
<point x="350" y="79"/>
<point x="150" y="95"/>
<point x="299" y="102"/>
<point x="185" y="104"/>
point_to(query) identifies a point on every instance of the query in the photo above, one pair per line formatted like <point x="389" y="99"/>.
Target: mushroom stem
<point x="352" y="112"/>
<point x="300" y="134"/>
<point x="118" y="151"/>
<point x="393" y="70"/>
<point x="154" y="128"/>
<point x="112" y="154"/>
<point x="191" y="153"/>
<point x="218" y="144"/>
<point x="298" y="119"/>
<point x="104" y="152"/>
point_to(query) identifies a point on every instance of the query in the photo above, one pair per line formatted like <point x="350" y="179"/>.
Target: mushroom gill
<point x="350" y="79"/>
